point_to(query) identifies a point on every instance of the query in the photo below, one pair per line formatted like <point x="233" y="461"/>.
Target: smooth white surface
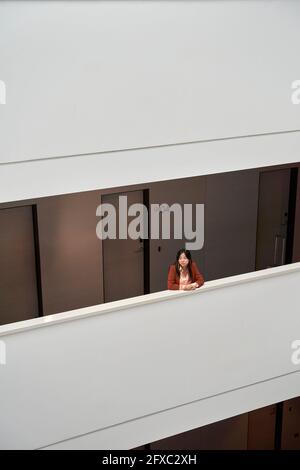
<point x="187" y="417"/>
<point x="28" y="180"/>
<point x="111" y="307"/>
<point x="92" y="76"/>
<point x="120" y="75"/>
<point x="103" y="370"/>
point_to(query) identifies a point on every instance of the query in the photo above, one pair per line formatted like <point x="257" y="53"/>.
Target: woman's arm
<point x="199" y="279"/>
<point x="172" y="284"/>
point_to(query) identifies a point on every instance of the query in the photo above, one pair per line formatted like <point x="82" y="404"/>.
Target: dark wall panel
<point x="18" y="282"/>
<point x="261" y="428"/>
<point x="71" y="263"/>
<point x="290" y="438"/>
<point x="230" y="223"/>
<point x="296" y="253"/>
<point x="228" y="434"/>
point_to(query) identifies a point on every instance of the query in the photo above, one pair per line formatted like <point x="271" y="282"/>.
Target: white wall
<point x="94" y="76"/>
<point x="34" y="179"/>
<point x="159" y="364"/>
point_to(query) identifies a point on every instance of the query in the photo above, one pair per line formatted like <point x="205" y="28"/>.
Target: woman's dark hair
<point x="189" y="257"/>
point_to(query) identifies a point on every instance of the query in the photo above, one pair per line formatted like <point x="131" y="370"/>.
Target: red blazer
<point x="173" y="278"/>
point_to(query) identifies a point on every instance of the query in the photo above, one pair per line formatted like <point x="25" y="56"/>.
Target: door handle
<point x="141" y="247"/>
<point x="275" y="249"/>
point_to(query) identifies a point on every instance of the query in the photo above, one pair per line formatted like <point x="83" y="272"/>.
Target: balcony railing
<point x="121" y="374"/>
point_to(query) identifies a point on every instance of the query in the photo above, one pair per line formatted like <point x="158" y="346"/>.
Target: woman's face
<point x="183" y="260"/>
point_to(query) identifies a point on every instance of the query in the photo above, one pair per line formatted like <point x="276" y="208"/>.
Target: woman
<point x="184" y="274"/>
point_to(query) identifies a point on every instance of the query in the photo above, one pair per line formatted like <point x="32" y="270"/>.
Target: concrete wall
<point x="85" y="78"/>
<point x="138" y="370"/>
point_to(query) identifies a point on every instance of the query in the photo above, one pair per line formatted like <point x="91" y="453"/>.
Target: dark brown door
<point x="123" y="259"/>
<point x="261" y="428"/>
<point x="18" y="279"/>
<point x="272" y="222"/>
<point x="290" y="437"/>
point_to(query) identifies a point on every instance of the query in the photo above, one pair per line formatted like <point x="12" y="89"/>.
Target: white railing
<point x="121" y="374"/>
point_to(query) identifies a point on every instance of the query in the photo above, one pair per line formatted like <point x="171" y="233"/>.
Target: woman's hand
<point x="191" y="286"/>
